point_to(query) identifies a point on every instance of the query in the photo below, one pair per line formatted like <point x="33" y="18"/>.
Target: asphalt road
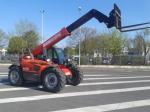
<point x="119" y="90"/>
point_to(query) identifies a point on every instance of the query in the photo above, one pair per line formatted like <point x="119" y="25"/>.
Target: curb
<point x="117" y="67"/>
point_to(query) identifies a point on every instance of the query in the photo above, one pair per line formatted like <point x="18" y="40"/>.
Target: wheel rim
<point x="14" y="77"/>
<point x="51" y="80"/>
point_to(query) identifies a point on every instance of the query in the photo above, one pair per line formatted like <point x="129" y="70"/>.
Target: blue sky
<point x="61" y="13"/>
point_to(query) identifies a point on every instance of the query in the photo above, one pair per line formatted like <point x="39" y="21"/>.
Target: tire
<point x="77" y="76"/>
<point x="54" y="80"/>
<point x="15" y="76"/>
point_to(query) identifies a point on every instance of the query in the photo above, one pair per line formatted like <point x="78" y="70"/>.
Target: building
<point x="3" y="51"/>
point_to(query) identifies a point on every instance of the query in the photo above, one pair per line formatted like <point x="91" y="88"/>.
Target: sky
<point x="61" y="13"/>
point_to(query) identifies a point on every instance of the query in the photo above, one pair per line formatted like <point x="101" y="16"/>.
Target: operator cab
<point x="55" y="55"/>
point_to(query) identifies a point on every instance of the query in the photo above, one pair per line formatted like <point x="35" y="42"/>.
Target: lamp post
<point x="42" y="32"/>
<point x="79" y="9"/>
<point x="42" y="22"/>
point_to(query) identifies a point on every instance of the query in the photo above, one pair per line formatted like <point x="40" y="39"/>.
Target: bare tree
<point x="138" y="43"/>
<point x="143" y="42"/>
<point x="3" y="38"/>
<point x="24" y="26"/>
<point x="81" y="34"/>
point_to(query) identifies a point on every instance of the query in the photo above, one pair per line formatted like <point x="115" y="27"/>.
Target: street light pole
<point x="79" y="9"/>
<point x="42" y="33"/>
<point x="42" y="22"/>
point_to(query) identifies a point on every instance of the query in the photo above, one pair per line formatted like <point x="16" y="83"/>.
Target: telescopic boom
<point x="114" y="20"/>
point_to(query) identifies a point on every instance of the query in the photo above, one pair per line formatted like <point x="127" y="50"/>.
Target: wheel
<point x="15" y="76"/>
<point x="77" y="76"/>
<point x="54" y="80"/>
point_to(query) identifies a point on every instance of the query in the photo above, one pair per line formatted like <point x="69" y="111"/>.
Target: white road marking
<point x="82" y="84"/>
<point x="116" y="82"/>
<point x="92" y="75"/>
<point x="13" y="89"/>
<point x="3" y="73"/>
<point x="131" y="77"/>
<point x="110" y="107"/>
<point x="64" y="95"/>
<point x="95" y="75"/>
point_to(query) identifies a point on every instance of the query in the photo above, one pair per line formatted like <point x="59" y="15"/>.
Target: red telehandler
<point x="55" y="73"/>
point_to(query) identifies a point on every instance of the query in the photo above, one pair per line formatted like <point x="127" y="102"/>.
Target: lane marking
<point x="82" y="84"/>
<point x="115" y="82"/>
<point x="13" y="89"/>
<point x="95" y="75"/>
<point x="3" y="73"/>
<point x="110" y="107"/>
<point x="132" y="77"/>
<point x="72" y="94"/>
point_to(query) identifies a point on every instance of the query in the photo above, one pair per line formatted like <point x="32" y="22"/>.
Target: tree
<point x="111" y="43"/>
<point x="83" y="34"/>
<point x="69" y="51"/>
<point x="138" y="44"/>
<point x="88" y="46"/>
<point x="31" y="38"/>
<point x="16" y="45"/>
<point x="143" y="42"/>
<point x="116" y="43"/>
<point x="27" y="36"/>
<point x="104" y="44"/>
<point x="3" y="38"/>
<point x="24" y="26"/>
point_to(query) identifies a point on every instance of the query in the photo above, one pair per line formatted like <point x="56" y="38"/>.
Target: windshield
<point x="61" y="55"/>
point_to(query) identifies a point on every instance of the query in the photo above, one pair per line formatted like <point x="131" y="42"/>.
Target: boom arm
<point x="114" y="20"/>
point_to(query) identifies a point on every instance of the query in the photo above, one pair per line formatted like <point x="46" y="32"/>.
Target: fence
<point x="9" y="58"/>
<point x="117" y="60"/>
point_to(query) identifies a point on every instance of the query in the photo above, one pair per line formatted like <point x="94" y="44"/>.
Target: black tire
<point x="53" y="80"/>
<point x="15" y="76"/>
<point x="77" y="76"/>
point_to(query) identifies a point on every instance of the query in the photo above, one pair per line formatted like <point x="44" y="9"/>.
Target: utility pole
<point x="42" y="33"/>
<point x="79" y="9"/>
<point x="42" y="22"/>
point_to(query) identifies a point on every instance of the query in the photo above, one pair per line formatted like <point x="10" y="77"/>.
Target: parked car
<point x="106" y="60"/>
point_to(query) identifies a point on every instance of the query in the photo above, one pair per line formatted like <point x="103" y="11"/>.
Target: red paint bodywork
<point x="51" y="41"/>
<point x="28" y="65"/>
<point x="36" y="66"/>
